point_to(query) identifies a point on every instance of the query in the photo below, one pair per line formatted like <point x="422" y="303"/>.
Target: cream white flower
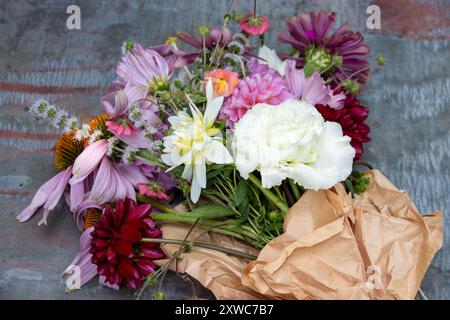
<point x="195" y="142"/>
<point x="271" y="59"/>
<point x="291" y="140"/>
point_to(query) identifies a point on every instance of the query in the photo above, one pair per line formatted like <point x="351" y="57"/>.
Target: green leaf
<point x="240" y="193"/>
<point x="309" y="69"/>
<point x="214" y="170"/>
<point x="210" y="211"/>
<point x="244" y="211"/>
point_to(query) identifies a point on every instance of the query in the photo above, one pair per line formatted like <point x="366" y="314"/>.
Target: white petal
<point x="217" y="153"/>
<point x="271" y="177"/>
<point x="333" y="164"/>
<point x="334" y="151"/>
<point x="213" y="105"/>
<point x="212" y="110"/>
<point x="272" y="60"/>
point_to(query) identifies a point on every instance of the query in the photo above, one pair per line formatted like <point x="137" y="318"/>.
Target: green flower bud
<point x="159" y="296"/>
<point x="351" y="86"/>
<point x="380" y="60"/>
<point x="203" y="30"/>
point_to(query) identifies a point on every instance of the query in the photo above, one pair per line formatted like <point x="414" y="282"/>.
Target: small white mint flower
<point x="111" y="144"/>
<point x="70" y="124"/>
<point x="271" y="59"/>
<point x="82" y="133"/>
<point x="195" y="141"/>
<point x="60" y="117"/>
<point x="129" y="154"/>
<point x="94" y="136"/>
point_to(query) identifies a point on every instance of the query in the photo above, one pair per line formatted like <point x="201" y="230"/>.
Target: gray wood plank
<point x="409" y="102"/>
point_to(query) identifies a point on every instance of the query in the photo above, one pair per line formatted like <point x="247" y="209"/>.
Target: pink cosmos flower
<point x="266" y="88"/>
<point x="224" y="81"/>
<point x="145" y="69"/>
<point x="313" y="89"/>
<point x="254" y="25"/>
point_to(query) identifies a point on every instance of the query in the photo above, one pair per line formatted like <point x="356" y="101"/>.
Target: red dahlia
<point x="116" y="246"/>
<point x="351" y="117"/>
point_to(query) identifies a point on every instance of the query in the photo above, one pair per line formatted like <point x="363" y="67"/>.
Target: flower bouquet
<point x="233" y="163"/>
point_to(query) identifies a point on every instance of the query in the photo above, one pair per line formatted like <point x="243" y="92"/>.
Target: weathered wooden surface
<point x="409" y="101"/>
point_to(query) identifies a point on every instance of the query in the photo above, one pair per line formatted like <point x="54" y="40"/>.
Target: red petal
<point x="124" y="248"/>
<point x="125" y="267"/>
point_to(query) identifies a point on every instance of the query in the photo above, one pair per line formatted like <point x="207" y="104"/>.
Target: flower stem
<point x="269" y="194"/>
<point x="295" y="189"/>
<point x="156" y="204"/>
<point x="229" y="227"/>
<point x="203" y="245"/>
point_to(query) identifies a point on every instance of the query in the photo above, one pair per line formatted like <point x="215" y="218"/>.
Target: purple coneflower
<point x="338" y="56"/>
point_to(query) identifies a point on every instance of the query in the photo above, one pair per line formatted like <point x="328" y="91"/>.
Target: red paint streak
<point x="29" y="88"/>
<point x="67" y="69"/>
<point x="38" y="150"/>
<point x="415" y="20"/>
<point x="28" y="265"/>
<point x="9" y="134"/>
<point x="16" y="193"/>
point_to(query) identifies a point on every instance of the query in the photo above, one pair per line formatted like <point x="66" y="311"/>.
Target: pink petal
<point x="42" y="195"/>
<point x="76" y="195"/>
<point x="88" y="160"/>
<point x="83" y="259"/>
<point x="105" y="183"/>
<point x="137" y="140"/>
<point x="55" y="195"/>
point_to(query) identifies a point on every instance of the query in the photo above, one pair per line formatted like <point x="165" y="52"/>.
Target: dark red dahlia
<point x="338" y="56"/>
<point x="116" y="246"/>
<point x="351" y="117"/>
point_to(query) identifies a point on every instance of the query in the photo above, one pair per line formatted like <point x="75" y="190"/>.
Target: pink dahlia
<point x="116" y="245"/>
<point x="257" y="88"/>
<point x="351" y="117"/>
<point x="338" y="55"/>
<point x="254" y="25"/>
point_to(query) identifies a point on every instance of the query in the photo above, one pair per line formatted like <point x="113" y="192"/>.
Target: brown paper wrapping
<point x="217" y="271"/>
<point x="376" y="246"/>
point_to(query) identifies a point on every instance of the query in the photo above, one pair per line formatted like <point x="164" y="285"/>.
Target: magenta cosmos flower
<point x="254" y="25"/>
<point x="116" y="245"/>
<point x="338" y="56"/>
<point x="266" y="88"/>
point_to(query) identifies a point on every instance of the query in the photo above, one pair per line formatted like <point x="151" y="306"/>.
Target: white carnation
<point x="292" y="140"/>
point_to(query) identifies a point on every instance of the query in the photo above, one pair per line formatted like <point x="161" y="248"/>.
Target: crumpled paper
<point x="376" y="246"/>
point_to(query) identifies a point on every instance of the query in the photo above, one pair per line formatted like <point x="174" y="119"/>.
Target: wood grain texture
<point x="409" y="102"/>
